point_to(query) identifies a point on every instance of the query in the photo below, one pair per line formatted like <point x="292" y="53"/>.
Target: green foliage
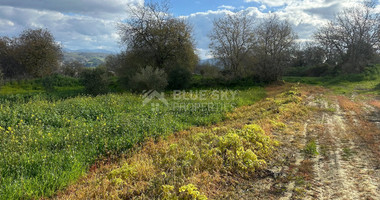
<point x="95" y="81"/>
<point x="348" y="153"/>
<point x="208" y="70"/>
<point x="222" y="82"/>
<point x="191" y="192"/>
<point x="365" y="82"/>
<point x="48" y="84"/>
<point x="1" y="78"/>
<point x="313" y="71"/>
<point x="149" y="78"/>
<point x="46" y="145"/>
<point x="310" y="149"/>
<point x="38" y="52"/>
<point x="179" y="78"/>
<point x="167" y="41"/>
<point x="72" y="69"/>
<point x="51" y="82"/>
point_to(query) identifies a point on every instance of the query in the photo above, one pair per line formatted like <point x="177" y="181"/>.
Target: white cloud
<point x="226" y="7"/>
<point x="84" y="24"/>
<point x="93" y="8"/>
<point x="73" y="31"/>
<point x="271" y="3"/>
<point x="204" y="53"/>
<point x="263" y="7"/>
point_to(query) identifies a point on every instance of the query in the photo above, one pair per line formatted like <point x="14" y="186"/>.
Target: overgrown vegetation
<point x="220" y="150"/>
<point x="200" y="163"/>
<point x="46" y="145"/>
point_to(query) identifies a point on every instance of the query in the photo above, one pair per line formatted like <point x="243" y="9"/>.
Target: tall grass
<point x="46" y="144"/>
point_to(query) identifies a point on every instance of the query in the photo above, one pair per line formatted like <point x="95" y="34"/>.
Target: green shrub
<point x="319" y="70"/>
<point x="72" y="69"/>
<point x="311" y="149"/>
<point x="148" y="78"/>
<point x="179" y="78"/>
<point x="48" y="84"/>
<point x="1" y="79"/>
<point x="95" y="81"/>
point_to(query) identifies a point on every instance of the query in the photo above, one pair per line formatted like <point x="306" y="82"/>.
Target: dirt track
<point x="347" y="137"/>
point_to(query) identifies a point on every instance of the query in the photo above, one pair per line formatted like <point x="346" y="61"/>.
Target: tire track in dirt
<point x="343" y="170"/>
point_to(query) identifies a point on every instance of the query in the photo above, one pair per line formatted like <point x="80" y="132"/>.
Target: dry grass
<point x="375" y="103"/>
<point x="349" y="105"/>
<point x="361" y="127"/>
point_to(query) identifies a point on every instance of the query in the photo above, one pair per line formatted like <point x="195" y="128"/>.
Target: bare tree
<point x="158" y="38"/>
<point x="353" y="36"/>
<point x="232" y="38"/>
<point x="275" y="40"/>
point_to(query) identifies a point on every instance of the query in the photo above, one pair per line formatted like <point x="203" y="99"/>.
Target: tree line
<point x="160" y="49"/>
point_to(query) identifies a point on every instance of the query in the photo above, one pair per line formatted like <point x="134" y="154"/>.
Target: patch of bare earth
<point x="347" y="166"/>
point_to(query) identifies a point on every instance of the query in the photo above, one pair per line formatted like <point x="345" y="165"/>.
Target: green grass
<point x="310" y="149"/>
<point x="46" y="144"/>
<point x="365" y="83"/>
<point x="24" y="90"/>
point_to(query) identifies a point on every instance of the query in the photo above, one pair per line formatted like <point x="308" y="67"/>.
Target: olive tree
<point x="353" y="37"/>
<point x="157" y="38"/>
<point x="232" y="38"/>
<point x="38" y="52"/>
<point x="275" y="42"/>
<point x="9" y="62"/>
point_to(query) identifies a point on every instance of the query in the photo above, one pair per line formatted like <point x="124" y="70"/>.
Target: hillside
<point x="89" y="59"/>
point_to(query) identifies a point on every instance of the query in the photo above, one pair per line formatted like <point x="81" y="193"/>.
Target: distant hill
<point x="90" y="58"/>
<point x="212" y="61"/>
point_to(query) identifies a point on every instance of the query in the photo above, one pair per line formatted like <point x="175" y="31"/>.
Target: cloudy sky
<point x="91" y="24"/>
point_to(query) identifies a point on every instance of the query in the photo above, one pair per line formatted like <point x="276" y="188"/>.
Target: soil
<point x="346" y="133"/>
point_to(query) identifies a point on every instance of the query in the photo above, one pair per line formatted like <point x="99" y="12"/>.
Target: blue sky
<point x="91" y="24"/>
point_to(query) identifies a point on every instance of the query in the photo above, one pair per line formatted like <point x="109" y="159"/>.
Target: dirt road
<point x="346" y="162"/>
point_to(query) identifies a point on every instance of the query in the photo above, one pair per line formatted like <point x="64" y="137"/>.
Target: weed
<point x="310" y="149"/>
<point x="347" y="153"/>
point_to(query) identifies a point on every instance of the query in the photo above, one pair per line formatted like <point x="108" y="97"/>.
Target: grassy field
<point x="47" y="144"/>
<point x="365" y="83"/>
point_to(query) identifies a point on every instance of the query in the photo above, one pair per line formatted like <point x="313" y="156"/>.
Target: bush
<point x="72" y="69"/>
<point x="148" y="78"/>
<point x="179" y="78"/>
<point x="1" y="79"/>
<point x="319" y="70"/>
<point x="50" y="82"/>
<point x="209" y="71"/>
<point x="95" y="81"/>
